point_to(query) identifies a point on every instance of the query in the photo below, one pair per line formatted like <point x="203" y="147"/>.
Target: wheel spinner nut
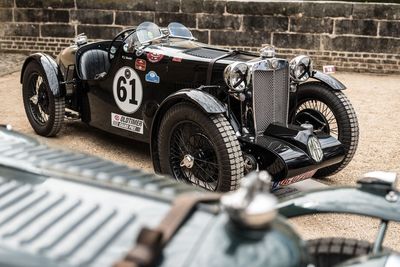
<point x="187" y="161"/>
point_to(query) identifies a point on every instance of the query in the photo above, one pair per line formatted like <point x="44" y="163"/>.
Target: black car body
<point x="63" y="208"/>
<point x="128" y="86"/>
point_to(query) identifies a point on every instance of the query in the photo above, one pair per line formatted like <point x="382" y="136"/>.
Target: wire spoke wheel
<point x="319" y="115"/>
<point x="199" y="148"/>
<point x="38" y="99"/>
<point x="193" y="158"/>
<point x="45" y="112"/>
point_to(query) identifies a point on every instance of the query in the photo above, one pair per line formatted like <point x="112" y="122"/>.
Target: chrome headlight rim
<point x="236" y="76"/>
<point x="301" y="68"/>
<point x="315" y="149"/>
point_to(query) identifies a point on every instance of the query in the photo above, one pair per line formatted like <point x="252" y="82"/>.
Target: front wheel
<point x="199" y="148"/>
<point x="327" y="252"/>
<point x="330" y="112"/>
<point x="45" y="112"/>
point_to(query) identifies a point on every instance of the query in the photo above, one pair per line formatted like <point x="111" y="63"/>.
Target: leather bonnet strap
<point x="150" y="242"/>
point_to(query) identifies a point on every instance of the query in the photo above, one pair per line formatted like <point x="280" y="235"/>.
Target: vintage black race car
<point x="209" y="114"/>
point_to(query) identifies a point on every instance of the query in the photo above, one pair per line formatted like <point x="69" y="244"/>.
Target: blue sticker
<point x="152" y="77"/>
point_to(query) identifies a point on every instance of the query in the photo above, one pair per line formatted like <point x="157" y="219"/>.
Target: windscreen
<point x="147" y="32"/>
<point x="180" y="31"/>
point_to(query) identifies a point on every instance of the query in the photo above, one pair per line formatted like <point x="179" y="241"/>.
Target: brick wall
<point x="363" y="37"/>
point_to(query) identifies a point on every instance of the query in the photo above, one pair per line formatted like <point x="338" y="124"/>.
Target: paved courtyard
<point x="376" y="101"/>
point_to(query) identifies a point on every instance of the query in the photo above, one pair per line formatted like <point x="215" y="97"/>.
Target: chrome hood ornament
<point x="251" y="205"/>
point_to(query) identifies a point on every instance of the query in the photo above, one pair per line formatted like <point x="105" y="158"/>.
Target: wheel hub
<point x="250" y="163"/>
<point x="43" y="100"/>
<point x="187" y="161"/>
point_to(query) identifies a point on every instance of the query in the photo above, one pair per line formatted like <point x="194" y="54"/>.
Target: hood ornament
<point x="252" y="205"/>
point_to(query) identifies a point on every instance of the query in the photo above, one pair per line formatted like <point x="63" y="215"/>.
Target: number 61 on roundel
<point x="210" y="115"/>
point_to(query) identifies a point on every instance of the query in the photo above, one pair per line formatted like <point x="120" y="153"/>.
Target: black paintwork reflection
<point x="51" y="70"/>
<point x="184" y="65"/>
<point x="329" y="80"/>
<point x="283" y="152"/>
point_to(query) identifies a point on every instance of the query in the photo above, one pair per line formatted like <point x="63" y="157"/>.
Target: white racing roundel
<point x="127" y="90"/>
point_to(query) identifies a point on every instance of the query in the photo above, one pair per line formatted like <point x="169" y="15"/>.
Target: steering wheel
<point x="109" y="53"/>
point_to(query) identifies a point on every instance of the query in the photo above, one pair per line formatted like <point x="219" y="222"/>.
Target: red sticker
<point x="177" y="59"/>
<point x="154" y="57"/>
<point x="140" y="64"/>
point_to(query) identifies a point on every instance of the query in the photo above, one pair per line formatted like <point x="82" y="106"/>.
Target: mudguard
<point x="283" y="151"/>
<point x="379" y="260"/>
<point x="203" y="100"/>
<point x="349" y="200"/>
<point x="51" y="70"/>
<point x="332" y="82"/>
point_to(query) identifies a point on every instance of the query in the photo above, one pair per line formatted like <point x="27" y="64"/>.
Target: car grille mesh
<point x="270" y="97"/>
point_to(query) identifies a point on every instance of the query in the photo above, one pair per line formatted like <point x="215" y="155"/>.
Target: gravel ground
<point x="375" y="99"/>
<point x="10" y="63"/>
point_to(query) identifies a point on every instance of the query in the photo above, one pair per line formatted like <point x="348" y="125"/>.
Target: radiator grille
<point x="270" y="97"/>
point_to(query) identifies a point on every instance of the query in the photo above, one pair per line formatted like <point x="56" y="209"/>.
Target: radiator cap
<point x="267" y="51"/>
<point x="252" y="205"/>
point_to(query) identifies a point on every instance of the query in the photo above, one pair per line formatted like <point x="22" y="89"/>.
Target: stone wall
<point x="363" y="37"/>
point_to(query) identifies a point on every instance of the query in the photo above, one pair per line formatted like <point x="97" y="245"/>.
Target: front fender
<point x="348" y="200"/>
<point x="50" y="69"/>
<point x="329" y="80"/>
<point x="374" y="260"/>
<point x="203" y="100"/>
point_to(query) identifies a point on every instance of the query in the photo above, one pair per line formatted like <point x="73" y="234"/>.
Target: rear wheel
<point x="45" y="112"/>
<point x="327" y="252"/>
<point x="199" y="148"/>
<point x="330" y="112"/>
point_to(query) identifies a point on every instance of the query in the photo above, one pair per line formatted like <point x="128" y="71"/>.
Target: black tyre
<point x="327" y="252"/>
<point x="330" y="112"/>
<point x="200" y="149"/>
<point x="44" y="111"/>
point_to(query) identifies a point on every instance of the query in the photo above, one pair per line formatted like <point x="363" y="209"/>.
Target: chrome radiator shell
<point x="270" y="96"/>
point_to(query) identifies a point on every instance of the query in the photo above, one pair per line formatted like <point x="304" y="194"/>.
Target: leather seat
<point x="92" y="63"/>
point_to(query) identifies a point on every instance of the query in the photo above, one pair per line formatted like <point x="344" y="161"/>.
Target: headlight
<point x="235" y="76"/>
<point x="300" y="68"/>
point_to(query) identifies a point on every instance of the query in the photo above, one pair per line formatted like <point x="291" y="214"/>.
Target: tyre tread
<point x="234" y="150"/>
<point x="328" y="252"/>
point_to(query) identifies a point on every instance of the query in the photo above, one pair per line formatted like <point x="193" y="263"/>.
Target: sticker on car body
<point x="140" y="64"/>
<point x="152" y="77"/>
<point x="154" y="57"/>
<point x="127" y="90"/>
<point x="127" y="123"/>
